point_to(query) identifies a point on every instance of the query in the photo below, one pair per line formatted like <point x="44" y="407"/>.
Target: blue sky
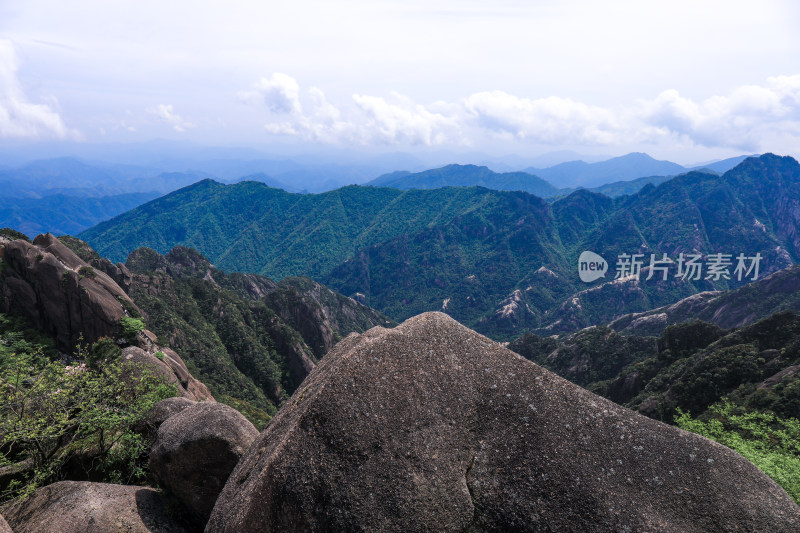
<point x="684" y="80"/>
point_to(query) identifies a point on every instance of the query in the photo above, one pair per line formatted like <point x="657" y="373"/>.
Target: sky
<point x="683" y="80"/>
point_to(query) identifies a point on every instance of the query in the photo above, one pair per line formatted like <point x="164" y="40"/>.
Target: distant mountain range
<point x="66" y="215"/>
<point x="497" y="261"/>
<point x="467" y="176"/>
<point x="626" y="167"/>
<point x="613" y="177"/>
<point x="70" y="176"/>
<point x="60" y="195"/>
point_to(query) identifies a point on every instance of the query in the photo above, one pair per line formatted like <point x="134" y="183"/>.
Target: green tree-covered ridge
<point x="465" y="250"/>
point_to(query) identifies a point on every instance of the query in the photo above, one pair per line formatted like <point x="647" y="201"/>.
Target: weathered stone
<point x="432" y="427"/>
<point x="60" y="293"/>
<point x="195" y="452"/>
<point x="84" y="507"/>
<point x="4" y="527"/>
<point x="172" y="369"/>
<point x="165" y="409"/>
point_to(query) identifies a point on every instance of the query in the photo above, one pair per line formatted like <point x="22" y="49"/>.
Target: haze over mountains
<point x="58" y="195"/>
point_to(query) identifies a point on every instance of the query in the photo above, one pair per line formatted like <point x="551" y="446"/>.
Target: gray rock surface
<point x="167" y="408"/>
<point x="195" y="452"/>
<point x="84" y="507"/>
<point x="171" y="368"/>
<point x="432" y="427"/>
<point x="59" y="292"/>
<point x="4" y="527"/>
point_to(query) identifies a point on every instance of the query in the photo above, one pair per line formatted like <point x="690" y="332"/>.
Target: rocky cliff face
<point x="432" y="427"/>
<point x="60" y="293"/>
<point x="319" y="314"/>
<point x="68" y="298"/>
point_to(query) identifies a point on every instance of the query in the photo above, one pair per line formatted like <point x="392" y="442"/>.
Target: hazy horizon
<point x="684" y="81"/>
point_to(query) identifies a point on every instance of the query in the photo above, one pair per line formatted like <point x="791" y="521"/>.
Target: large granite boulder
<point x="195" y="452"/>
<point x="4" y="527"/>
<point x="432" y="427"/>
<point x="84" y="507"/>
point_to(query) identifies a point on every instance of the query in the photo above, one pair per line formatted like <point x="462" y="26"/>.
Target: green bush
<point x="75" y="419"/>
<point x="104" y="351"/>
<point x="87" y="272"/>
<point x="13" y="234"/>
<point x="769" y="442"/>
<point x="131" y="327"/>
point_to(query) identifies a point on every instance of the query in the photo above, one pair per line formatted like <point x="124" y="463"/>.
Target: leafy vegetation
<point x="690" y="366"/>
<point x="769" y="442"/>
<point x="13" y="234"/>
<point x="76" y="420"/>
<point x="130" y="327"/>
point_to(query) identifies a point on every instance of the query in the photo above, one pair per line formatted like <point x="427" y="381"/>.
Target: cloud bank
<point x="167" y="114"/>
<point x="20" y="118"/>
<point x="747" y="118"/>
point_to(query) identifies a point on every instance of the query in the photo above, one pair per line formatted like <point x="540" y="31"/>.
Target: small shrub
<point x="130" y="327"/>
<point x="87" y="272"/>
<point x="13" y="234"/>
<point x="104" y="351"/>
<point x="159" y="355"/>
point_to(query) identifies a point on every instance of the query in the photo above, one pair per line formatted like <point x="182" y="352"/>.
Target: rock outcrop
<point x="195" y="452"/>
<point x="319" y="314"/>
<point x="169" y="366"/>
<point x="60" y="293"/>
<point x="730" y="309"/>
<point x="254" y="339"/>
<point x="66" y="297"/>
<point x="432" y="427"/>
<point x="84" y="507"/>
<point x="4" y="527"/>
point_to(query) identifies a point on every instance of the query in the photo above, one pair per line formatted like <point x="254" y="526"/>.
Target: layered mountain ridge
<point x="478" y="254"/>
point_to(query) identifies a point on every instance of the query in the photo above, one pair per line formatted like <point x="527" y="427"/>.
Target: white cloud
<point x="550" y="120"/>
<point x="18" y="116"/>
<point x="743" y="119"/>
<point x="403" y="121"/>
<point x="747" y="118"/>
<point x="167" y="114"/>
<point x="280" y="93"/>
